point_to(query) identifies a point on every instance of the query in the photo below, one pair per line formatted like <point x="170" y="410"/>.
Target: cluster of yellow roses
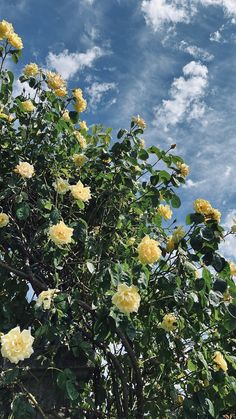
<point x="7" y="32"/>
<point x="204" y="207"/>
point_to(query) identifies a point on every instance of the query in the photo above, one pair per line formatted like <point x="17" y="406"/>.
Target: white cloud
<point x="97" y="90"/>
<point x="187" y="93"/>
<point x="228" y="247"/>
<point x="191" y="184"/>
<point x="196" y="52"/>
<point x="158" y="13"/>
<point x="216" y="36"/>
<point x="68" y="64"/>
<point x="229" y="6"/>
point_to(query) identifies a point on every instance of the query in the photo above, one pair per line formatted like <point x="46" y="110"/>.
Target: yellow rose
<point x="61" y="92"/>
<point x="142" y="143"/>
<point x="78" y="94"/>
<point x="148" y="250"/>
<point x="165" y="211"/>
<point x="170" y="245"/>
<point x="55" y="81"/>
<point x="17" y="345"/>
<point x="25" y="170"/>
<point x="81" y="139"/>
<point x="79" y="159"/>
<point x="126" y="299"/>
<point x="214" y="214"/>
<point x="45" y="298"/>
<point x="4" y="219"/>
<point x="8" y="118"/>
<point x="131" y="241"/>
<point x="15" y="40"/>
<point x="79" y="191"/>
<point x="83" y="125"/>
<point x="61" y="186"/>
<point x="232" y="268"/>
<point x="31" y="70"/>
<point x="27" y="106"/>
<point x="6" y="29"/>
<point x="202" y="206"/>
<point x="60" y="234"/>
<point x="66" y="116"/>
<point x="180" y="399"/>
<point x="178" y="234"/>
<point x="220" y="361"/>
<point x="184" y="169"/>
<point x="169" y="322"/>
<point x="80" y="105"/>
<point x="139" y="121"/>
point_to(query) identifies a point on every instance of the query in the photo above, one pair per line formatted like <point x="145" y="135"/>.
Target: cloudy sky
<point x="171" y="61"/>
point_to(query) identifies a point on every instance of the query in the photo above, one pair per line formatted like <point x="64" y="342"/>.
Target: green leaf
<point x="175" y="201"/>
<point x="23" y="211"/>
<point x="215" y="298"/>
<point x="121" y="132"/>
<point x="71" y="390"/>
<point x="143" y="154"/>
<point x="74" y="116"/>
<point x="80" y="204"/>
<point x="218" y="262"/>
<point x="210" y="407"/>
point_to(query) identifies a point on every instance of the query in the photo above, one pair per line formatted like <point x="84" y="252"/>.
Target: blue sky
<point x="171" y="61"/>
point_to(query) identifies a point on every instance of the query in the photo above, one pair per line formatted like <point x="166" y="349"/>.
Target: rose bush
<point x="149" y="306"/>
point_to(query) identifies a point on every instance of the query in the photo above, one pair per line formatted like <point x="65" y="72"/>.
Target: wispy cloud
<point x="69" y="63"/>
<point x="196" y="52"/>
<point x="97" y="91"/>
<point x="186" y="97"/>
<point x="160" y="13"/>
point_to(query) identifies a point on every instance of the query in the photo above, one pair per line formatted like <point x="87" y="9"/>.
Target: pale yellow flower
<point x="25" y="170"/>
<point x="81" y="139"/>
<point x="126" y="299"/>
<point x="148" y="250"/>
<point x="170" y="245"/>
<point x="131" y="241"/>
<point x="202" y="206"/>
<point x="169" y="322"/>
<point x="184" y="169"/>
<point x="142" y="143"/>
<point x="165" y="211"/>
<point x="220" y="361"/>
<point x="66" y="116"/>
<point x="178" y="234"/>
<point x="27" y="106"/>
<point x="60" y="234"/>
<point x="4" y="219"/>
<point x="6" y="29"/>
<point x="214" y="214"/>
<point x="233" y="228"/>
<point x="61" y="186"/>
<point x="78" y="93"/>
<point x="139" y="121"/>
<point x="196" y="274"/>
<point x="31" y="70"/>
<point x="8" y="118"/>
<point x="55" y="81"/>
<point x="79" y="159"/>
<point x="17" y="345"/>
<point x="61" y="92"/>
<point x="232" y="268"/>
<point x="80" y="105"/>
<point x="45" y="298"/>
<point x="83" y="125"/>
<point x="15" y="40"/>
<point x="79" y="191"/>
